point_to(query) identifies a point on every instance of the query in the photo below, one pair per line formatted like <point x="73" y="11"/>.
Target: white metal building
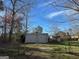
<point x="36" y="38"/>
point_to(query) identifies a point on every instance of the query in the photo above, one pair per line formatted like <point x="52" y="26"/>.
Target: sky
<point x="44" y="15"/>
<point x="48" y="16"/>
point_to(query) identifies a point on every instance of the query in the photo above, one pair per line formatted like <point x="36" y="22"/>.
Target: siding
<point x="36" y="38"/>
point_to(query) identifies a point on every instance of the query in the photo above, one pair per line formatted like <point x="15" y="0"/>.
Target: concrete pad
<point x="4" y="57"/>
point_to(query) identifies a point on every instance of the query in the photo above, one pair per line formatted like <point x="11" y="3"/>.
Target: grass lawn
<point x="42" y="51"/>
<point x="53" y="51"/>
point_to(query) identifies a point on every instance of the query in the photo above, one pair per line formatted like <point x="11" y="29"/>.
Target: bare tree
<point x="67" y="4"/>
<point x="16" y="7"/>
<point x="72" y="5"/>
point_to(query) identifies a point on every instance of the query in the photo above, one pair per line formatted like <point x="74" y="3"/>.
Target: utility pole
<point x="5" y="24"/>
<point x="71" y="33"/>
<point x="28" y="7"/>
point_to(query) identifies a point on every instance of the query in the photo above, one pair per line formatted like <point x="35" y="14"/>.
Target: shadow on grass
<point x="27" y="57"/>
<point x="20" y="54"/>
<point x="73" y="53"/>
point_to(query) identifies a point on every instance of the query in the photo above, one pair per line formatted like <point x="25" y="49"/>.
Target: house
<point x="75" y="37"/>
<point x="60" y="36"/>
<point x="36" y="38"/>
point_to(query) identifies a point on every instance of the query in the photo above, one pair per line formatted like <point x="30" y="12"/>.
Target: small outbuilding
<point x="36" y="38"/>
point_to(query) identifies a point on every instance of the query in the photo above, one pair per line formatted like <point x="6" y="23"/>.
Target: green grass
<point x="56" y="51"/>
<point x="43" y="51"/>
<point x="72" y="43"/>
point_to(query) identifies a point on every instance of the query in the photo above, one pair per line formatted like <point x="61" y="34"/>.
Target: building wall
<point x="36" y="38"/>
<point x="75" y="37"/>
